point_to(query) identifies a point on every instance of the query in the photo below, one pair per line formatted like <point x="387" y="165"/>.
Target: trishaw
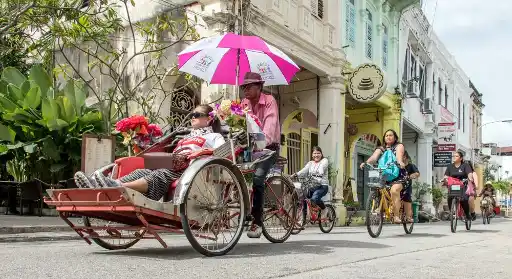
<point x="217" y="175"/>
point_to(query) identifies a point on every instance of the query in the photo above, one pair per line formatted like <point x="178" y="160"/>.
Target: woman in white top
<point x="317" y="170"/>
<point x="155" y="183"/>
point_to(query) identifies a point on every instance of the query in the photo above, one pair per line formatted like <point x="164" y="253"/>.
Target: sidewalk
<point x="13" y="224"/>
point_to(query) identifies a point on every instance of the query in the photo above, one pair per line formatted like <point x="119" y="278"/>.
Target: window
<point x="369" y="34"/>
<point x="463" y="118"/>
<point x="350" y="23"/>
<point x="440" y="92"/>
<point x="422" y="83"/>
<point x="317" y="8"/>
<point x="458" y="113"/>
<point x="433" y="87"/>
<point x="405" y="76"/>
<point x="412" y="67"/>
<point x="385" y="39"/>
<point x="445" y="96"/>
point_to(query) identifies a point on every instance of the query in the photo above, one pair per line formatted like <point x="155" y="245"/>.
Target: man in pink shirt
<point x="265" y="108"/>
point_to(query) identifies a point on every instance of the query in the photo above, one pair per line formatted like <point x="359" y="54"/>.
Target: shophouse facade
<point x="371" y="39"/>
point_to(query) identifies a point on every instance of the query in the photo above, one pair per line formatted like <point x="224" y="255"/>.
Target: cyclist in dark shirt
<point x="460" y="170"/>
<point x="412" y="173"/>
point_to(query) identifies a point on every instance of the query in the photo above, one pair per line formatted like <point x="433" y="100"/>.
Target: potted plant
<point x="437" y="198"/>
<point x="419" y="190"/>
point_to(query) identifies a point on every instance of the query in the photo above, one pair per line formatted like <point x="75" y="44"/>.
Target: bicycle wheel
<point x="484" y="216"/>
<point x="407" y="226"/>
<point x="374" y="214"/>
<point x="280" y="205"/>
<point x="468" y="223"/>
<point x="489" y="216"/>
<point x="299" y="221"/>
<point x="330" y="217"/>
<point x="214" y="208"/>
<point x="453" y="215"/>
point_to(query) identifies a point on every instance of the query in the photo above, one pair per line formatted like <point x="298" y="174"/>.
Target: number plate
<point x="373" y="174"/>
<point x="455" y="187"/>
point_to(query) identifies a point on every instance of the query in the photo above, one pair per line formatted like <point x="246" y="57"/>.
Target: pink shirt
<point x="267" y="112"/>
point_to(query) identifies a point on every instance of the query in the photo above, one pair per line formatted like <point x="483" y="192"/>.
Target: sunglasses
<point x="198" y="114"/>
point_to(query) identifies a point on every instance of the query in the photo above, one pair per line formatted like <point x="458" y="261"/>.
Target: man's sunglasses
<point x="198" y="114"/>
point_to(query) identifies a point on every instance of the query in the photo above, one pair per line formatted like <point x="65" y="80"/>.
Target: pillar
<point x="331" y="128"/>
<point x="424" y="165"/>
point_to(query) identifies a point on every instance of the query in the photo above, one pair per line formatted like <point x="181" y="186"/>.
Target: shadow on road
<point x="415" y="235"/>
<point x="245" y="250"/>
<point x="484" y="231"/>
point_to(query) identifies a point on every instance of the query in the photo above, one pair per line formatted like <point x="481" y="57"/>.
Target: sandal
<point x="397" y="220"/>
<point x="409" y="220"/>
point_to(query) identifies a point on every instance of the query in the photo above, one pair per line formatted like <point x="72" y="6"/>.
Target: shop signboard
<point x="442" y="159"/>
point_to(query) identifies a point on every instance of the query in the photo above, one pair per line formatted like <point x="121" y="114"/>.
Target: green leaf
<point x="6" y="133"/>
<point x="14" y="93"/>
<point x="32" y="99"/>
<point x="6" y="104"/>
<point x="91" y="117"/>
<point x="49" y="109"/>
<point x="51" y="150"/>
<point x="56" y="124"/>
<point x="13" y="76"/>
<point x="30" y="148"/>
<point x="67" y="110"/>
<point x="41" y="78"/>
<point x="57" y="167"/>
<point x="3" y="149"/>
<point x="25" y="87"/>
<point x="3" y="87"/>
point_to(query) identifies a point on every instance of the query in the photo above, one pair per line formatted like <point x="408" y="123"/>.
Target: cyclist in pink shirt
<point x="265" y="108"/>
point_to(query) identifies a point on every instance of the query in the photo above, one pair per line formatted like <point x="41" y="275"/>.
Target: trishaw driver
<point x="265" y="108"/>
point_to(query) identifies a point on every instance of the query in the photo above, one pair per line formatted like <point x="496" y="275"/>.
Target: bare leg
<point x="395" y="196"/>
<point x="139" y="185"/>
<point x="472" y="204"/>
<point x="408" y="210"/>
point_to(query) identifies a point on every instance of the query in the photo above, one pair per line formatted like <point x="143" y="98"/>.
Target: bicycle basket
<point x="374" y="179"/>
<point x="456" y="190"/>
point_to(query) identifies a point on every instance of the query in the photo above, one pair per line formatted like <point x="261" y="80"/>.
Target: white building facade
<point x="436" y="100"/>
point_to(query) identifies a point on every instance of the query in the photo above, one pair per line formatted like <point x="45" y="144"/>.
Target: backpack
<point x="392" y="171"/>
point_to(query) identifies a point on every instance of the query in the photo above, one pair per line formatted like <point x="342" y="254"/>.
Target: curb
<point x="34" y="229"/>
<point x="12" y="239"/>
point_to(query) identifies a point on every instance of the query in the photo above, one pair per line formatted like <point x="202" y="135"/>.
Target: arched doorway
<point x="179" y="100"/>
<point x="362" y="149"/>
<point x="300" y="132"/>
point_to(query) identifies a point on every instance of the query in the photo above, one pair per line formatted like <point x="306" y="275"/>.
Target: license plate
<point x="455" y="187"/>
<point x="373" y="174"/>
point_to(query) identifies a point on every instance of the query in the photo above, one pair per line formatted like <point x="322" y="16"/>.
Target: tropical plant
<point x="127" y="63"/>
<point x="41" y="124"/>
<point x="420" y="189"/>
<point x="502" y="186"/>
<point x="437" y="197"/>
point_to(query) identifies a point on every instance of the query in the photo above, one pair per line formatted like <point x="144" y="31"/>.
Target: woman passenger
<point x="155" y="183"/>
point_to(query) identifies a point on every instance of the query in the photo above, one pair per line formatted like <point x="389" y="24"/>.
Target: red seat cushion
<point x="128" y="164"/>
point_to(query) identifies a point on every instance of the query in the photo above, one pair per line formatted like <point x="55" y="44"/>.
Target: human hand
<point x="362" y="165"/>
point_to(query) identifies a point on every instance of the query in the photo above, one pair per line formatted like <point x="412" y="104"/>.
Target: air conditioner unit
<point x="427" y="106"/>
<point x="413" y="89"/>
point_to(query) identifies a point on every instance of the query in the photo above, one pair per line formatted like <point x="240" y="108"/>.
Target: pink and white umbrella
<point x="216" y="60"/>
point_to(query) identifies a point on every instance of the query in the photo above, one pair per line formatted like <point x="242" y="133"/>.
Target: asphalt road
<point x="431" y="251"/>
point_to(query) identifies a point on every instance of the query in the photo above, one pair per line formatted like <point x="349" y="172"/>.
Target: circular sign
<point x="367" y="83"/>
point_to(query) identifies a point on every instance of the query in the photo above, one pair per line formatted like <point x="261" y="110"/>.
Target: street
<point x="431" y="251"/>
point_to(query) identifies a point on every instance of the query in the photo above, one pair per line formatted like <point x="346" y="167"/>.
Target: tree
<point x="122" y="62"/>
<point x="488" y="172"/>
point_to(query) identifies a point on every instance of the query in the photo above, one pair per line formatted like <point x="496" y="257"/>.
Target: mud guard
<point x="198" y="164"/>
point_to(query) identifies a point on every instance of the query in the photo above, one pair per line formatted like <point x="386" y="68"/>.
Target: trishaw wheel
<point x="111" y="243"/>
<point x="214" y="208"/>
<point x="279" y="209"/>
<point x="330" y="215"/>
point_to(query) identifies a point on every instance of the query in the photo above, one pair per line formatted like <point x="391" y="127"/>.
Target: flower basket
<point x="138" y="134"/>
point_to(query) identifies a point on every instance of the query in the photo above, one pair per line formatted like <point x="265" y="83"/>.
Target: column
<point x="425" y="167"/>
<point x="331" y="128"/>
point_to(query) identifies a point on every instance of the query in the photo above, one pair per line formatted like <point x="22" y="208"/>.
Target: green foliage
<point x="488" y="172"/>
<point x="420" y="189"/>
<point x="41" y="127"/>
<point x="502" y="186"/>
<point x="437" y="196"/>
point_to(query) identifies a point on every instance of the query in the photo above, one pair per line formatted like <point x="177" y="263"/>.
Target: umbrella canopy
<point x="216" y="59"/>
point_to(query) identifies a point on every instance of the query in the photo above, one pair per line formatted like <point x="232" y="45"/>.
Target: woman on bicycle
<point x="391" y="142"/>
<point x="317" y="170"/>
<point x="460" y="170"/>
<point x="474" y="186"/>
<point x="155" y="183"/>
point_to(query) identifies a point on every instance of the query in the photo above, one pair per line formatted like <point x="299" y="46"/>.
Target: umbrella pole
<point x="237" y="89"/>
